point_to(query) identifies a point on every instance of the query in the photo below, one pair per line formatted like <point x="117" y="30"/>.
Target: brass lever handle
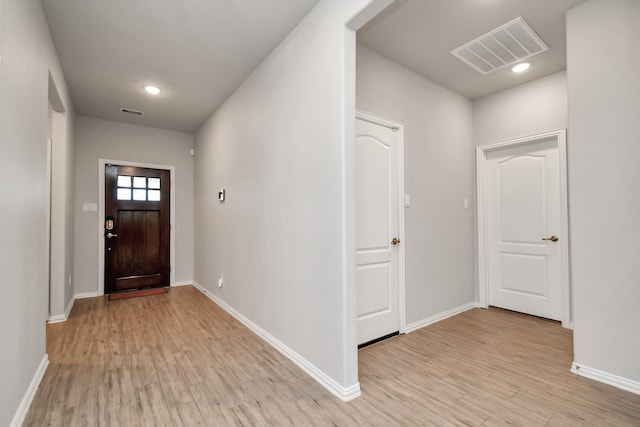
<point x="395" y="241"/>
<point x="552" y="238"/>
<point x="110" y="235"/>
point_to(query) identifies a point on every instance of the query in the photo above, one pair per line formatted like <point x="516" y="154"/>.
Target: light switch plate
<point x="89" y="207"/>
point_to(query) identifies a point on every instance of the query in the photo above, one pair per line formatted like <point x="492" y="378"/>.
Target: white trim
<point x="23" y="409"/>
<point x="187" y="283"/>
<point x="49" y="184"/>
<point x="411" y="327"/>
<point x="606" y="378"/>
<point x="57" y="318"/>
<point x="567" y="317"/>
<point x="343" y="393"/>
<point x="84" y="295"/>
<point x="399" y="128"/>
<point x="482" y="226"/>
<point x="63" y="317"/>
<point x="172" y="219"/>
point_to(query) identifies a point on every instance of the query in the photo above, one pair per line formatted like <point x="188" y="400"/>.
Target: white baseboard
<point x="84" y="295"/>
<point x="57" y="318"/>
<point x="605" y="377"/>
<point x="23" y="409"/>
<point x="182" y="284"/>
<point x="202" y="289"/>
<point x="438" y="317"/>
<point x="343" y="393"/>
<point x="63" y="317"/>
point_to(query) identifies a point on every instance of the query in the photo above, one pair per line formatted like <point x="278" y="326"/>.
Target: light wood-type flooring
<point x="177" y="359"/>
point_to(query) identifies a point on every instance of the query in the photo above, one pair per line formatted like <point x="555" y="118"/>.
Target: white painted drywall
<point x="103" y="139"/>
<point x="282" y="147"/>
<point x="61" y="289"/>
<point x="604" y="201"/>
<point x="28" y="56"/>
<point x="528" y="109"/>
<point x="439" y="175"/>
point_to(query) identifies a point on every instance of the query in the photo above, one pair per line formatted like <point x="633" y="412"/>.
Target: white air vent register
<point x="506" y="45"/>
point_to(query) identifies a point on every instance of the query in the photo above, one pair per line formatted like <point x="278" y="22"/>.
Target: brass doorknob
<point x="552" y="238"/>
<point x="395" y="241"/>
<point x="111" y="235"/>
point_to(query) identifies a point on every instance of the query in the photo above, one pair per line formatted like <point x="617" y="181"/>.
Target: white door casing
<point x="522" y="199"/>
<point x="379" y="219"/>
<point x="101" y="217"/>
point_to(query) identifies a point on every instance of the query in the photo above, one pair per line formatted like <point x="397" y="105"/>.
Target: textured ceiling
<point x="420" y="34"/>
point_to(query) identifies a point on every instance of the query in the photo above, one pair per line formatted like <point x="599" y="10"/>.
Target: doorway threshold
<point x="377" y="340"/>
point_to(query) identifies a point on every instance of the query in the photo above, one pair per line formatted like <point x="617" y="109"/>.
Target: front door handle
<point x="395" y="241"/>
<point x="110" y="235"/>
<point x="552" y="238"/>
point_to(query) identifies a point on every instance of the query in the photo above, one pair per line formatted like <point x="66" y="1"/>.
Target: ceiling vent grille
<point x="130" y="111"/>
<point x="506" y="45"/>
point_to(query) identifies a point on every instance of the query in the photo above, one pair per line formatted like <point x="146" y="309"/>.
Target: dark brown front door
<point x="137" y="228"/>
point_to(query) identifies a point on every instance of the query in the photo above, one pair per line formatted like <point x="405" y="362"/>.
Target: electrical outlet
<point x="221" y="281"/>
<point x="69" y="282"/>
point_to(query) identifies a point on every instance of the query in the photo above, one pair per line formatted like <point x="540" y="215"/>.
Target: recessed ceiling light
<point x="523" y="66"/>
<point x="152" y="90"/>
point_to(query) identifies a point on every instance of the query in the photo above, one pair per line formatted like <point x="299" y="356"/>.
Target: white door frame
<point x="48" y="209"/>
<point x="399" y="128"/>
<point x="172" y="236"/>
<point x="483" y="238"/>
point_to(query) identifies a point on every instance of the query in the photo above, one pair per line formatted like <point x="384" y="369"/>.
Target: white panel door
<point x="377" y="219"/>
<point x="524" y="225"/>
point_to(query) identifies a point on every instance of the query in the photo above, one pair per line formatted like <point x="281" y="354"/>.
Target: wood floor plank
<point x="187" y="415"/>
<point x="154" y="410"/>
<point x="177" y="359"/>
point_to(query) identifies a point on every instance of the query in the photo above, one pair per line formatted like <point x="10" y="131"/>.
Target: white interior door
<point x="524" y="220"/>
<point x="378" y="224"/>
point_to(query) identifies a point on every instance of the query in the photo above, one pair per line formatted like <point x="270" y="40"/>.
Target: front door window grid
<point x="138" y="188"/>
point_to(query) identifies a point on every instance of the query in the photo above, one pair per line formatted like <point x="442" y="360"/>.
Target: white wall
<point x="439" y="175"/>
<point x="62" y="181"/>
<point x="528" y="109"/>
<point x="282" y="147"/>
<point x="102" y="139"/>
<point x="27" y="58"/>
<point x="604" y="123"/>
